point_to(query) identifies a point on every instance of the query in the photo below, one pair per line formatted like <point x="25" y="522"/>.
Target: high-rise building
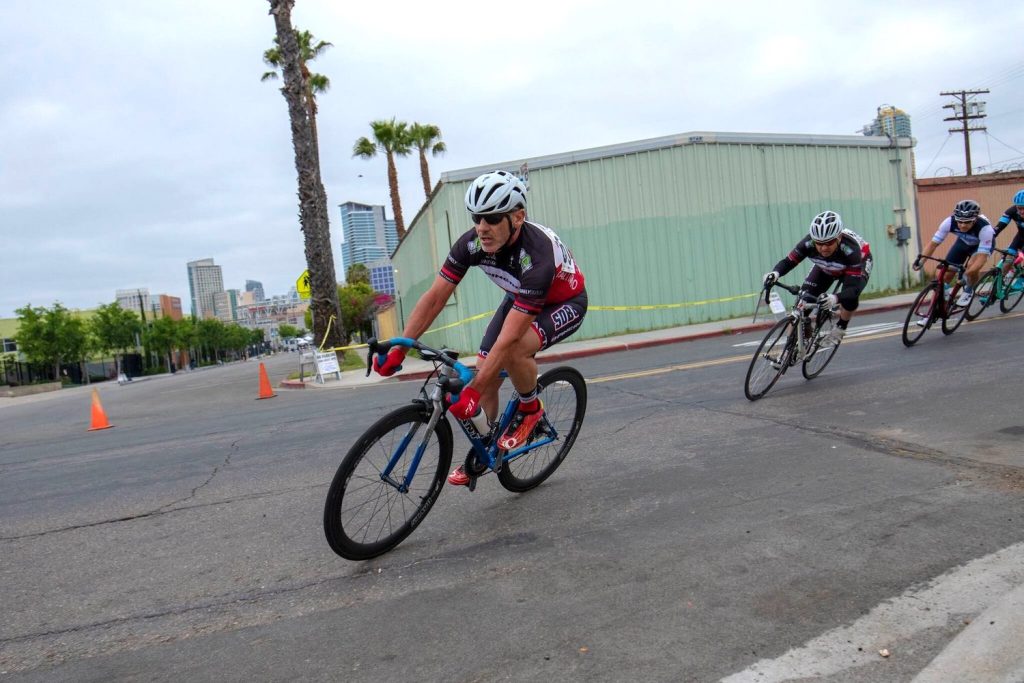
<point x="366" y="235"/>
<point x="382" y="276"/>
<point x="257" y="287"/>
<point x="170" y="306"/>
<point x="138" y="301"/>
<point x="204" y="280"/>
<point x="890" y="121"/>
<point x="225" y="305"/>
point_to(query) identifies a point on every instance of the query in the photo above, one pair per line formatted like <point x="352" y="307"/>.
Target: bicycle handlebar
<point x="382" y="346"/>
<point x="951" y="266"/>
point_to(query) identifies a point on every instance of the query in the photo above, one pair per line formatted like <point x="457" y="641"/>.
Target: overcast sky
<point x="137" y="136"/>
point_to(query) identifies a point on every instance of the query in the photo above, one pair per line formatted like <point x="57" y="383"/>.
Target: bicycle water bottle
<point x="479" y="421"/>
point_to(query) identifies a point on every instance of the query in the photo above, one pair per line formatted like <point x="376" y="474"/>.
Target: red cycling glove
<point x="467" y="405"/>
<point x="392" y="363"/>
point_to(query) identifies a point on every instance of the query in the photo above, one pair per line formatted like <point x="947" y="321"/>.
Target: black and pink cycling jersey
<point x="537" y="270"/>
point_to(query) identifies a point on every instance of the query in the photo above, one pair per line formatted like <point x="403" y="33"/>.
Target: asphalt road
<point x="690" y="536"/>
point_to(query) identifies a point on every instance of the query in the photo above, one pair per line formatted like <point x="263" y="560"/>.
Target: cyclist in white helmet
<point x="836" y="253"/>
<point x="545" y="302"/>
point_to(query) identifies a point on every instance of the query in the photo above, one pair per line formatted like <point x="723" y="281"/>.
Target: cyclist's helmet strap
<point x="966" y="209"/>
<point x="826" y="226"/>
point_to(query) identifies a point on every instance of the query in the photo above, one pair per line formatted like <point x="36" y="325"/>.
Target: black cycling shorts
<point x="554" y="323"/>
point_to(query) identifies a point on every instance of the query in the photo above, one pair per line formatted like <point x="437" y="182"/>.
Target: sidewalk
<point x="416" y="369"/>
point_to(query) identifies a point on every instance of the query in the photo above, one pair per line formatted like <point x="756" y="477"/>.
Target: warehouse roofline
<point x="681" y="140"/>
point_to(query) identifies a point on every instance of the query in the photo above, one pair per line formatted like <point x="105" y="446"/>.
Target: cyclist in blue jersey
<point x="545" y="302"/>
<point x="974" y="239"/>
<point x="1014" y="214"/>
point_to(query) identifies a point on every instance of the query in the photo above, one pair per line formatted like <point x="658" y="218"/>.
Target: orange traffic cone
<point x="265" y="390"/>
<point x="99" y="418"/>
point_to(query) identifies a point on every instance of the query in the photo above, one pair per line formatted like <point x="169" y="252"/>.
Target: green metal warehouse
<point x="673" y="230"/>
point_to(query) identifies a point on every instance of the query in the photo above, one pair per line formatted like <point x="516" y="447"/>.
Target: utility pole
<point x="964" y="111"/>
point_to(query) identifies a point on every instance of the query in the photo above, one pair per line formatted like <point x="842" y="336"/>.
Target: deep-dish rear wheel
<point x="984" y="292"/>
<point x="955" y="313"/>
<point x="563" y="392"/>
<point x="370" y="510"/>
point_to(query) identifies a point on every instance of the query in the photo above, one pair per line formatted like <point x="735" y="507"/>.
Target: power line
<point x="925" y="174"/>
<point x="1003" y="143"/>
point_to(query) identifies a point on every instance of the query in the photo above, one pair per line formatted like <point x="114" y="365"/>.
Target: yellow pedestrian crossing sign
<point x="302" y="285"/>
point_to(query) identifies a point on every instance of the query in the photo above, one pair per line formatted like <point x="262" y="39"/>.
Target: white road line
<point x="859" y="331"/>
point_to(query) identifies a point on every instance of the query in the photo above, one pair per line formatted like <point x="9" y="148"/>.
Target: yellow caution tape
<point x="648" y="307"/>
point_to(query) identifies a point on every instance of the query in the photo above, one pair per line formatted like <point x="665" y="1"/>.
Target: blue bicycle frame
<point x="452" y="377"/>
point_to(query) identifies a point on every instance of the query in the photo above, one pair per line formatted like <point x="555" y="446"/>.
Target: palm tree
<point x="391" y="137"/>
<point x="426" y="136"/>
<point x="314" y="83"/>
<point x="312" y="197"/>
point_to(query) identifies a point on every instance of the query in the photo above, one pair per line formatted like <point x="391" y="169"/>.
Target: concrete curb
<point x="988" y="650"/>
<point x="648" y="343"/>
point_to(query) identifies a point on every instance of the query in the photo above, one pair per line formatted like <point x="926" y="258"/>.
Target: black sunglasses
<point x="490" y="218"/>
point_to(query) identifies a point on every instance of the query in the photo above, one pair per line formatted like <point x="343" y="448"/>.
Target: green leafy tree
<point x="298" y="87"/>
<point x="357" y="272"/>
<point x="426" y="136"/>
<point x="286" y="330"/>
<point x="391" y="138"/>
<point x="51" y="336"/>
<point x="162" y="336"/>
<point x="115" y="330"/>
<point x="357" y="308"/>
<point x="210" y="337"/>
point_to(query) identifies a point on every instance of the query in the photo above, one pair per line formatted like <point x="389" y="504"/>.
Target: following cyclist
<point x="836" y="252"/>
<point x="1015" y="214"/>
<point x="974" y="238"/>
<point x="545" y="301"/>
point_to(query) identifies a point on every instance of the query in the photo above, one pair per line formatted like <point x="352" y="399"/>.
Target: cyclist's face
<point x="826" y="249"/>
<point x="494" y="237"/>
<point x="965" y="225"/>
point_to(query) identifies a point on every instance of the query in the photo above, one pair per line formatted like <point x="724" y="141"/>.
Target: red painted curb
<point x="647" y="343"/>
<point x="292" y="384"/>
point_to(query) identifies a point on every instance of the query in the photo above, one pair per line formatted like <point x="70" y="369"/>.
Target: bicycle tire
<point x="1011" y="298"/>
<point x="564" y="393"/>
<point x="820" y="356"/>
<point x="769" y="369"/>
<point x="923" y="307"/>
<point x="367" y="520"/>
<point x="984" y="292"/>
<point x="955" y="314"/>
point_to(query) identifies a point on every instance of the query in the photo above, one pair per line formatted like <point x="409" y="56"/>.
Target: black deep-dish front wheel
<point x="920" y="312"/>
<point x="770" y="360"/>
<point x="822" y="350"/>
<point x="1011" y="297"/>
<point x="365" y="515"/>
<point x="564" y="393"/>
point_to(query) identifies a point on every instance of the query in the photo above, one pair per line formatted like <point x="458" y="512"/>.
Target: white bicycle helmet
<point x="826" y="226"/>
<point x="496" y="192"/>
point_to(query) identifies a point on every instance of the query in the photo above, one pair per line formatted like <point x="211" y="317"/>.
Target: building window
<point x="9" y="346"/>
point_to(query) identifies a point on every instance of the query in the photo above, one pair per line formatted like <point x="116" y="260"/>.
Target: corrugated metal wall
<point x="936" y="198"/>
<point x="687" y="224"/>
